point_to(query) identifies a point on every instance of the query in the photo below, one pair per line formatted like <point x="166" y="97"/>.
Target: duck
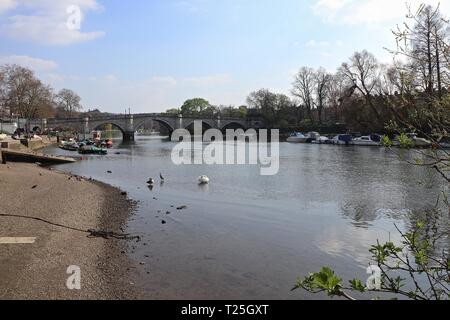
<point x="151" y="181"/>
<point x="203" y="180"/>
<point x="161" y="176"/>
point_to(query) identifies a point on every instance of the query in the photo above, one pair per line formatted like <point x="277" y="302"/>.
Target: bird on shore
<point x="203" y="180"/>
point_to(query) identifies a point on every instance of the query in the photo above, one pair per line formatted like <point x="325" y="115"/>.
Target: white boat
<point x="313" y="136"/>
<point x="365" y="141"/>
<point x="419" y="142"/>
<point x="297" y="137"/>
<point x="322" y="140"/>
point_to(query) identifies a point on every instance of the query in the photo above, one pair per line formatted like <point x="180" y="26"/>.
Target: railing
<point x="149" y="115"/>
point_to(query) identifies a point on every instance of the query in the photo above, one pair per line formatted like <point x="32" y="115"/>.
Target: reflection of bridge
<point x="129" y="124"/>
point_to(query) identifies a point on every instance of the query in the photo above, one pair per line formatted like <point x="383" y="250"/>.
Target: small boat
<point x="92" y="150"/>
<point x="419" y="142"/>
<point x="343" y="139"/>
<point x="312" y="136"/>
<point x="203" y="180"/>
<point x="366" y="141"/>
<point x="297" y="137"/>
<point x="68" y="145"/>
<point x="108" y="143"/>
<point x="85" y="143"/>
<point x="322" y="140"/>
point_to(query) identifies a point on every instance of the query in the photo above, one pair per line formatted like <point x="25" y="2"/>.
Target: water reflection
<point x="252" y="235"/>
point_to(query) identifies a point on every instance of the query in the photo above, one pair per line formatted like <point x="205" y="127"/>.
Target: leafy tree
<point x="273" y="107"/>
<point x="265" y="102"/>
<point x="195" y="106"/>
<point x="174" y="111"/>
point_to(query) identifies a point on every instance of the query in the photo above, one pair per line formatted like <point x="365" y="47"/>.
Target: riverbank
<point x="38" y="270"/>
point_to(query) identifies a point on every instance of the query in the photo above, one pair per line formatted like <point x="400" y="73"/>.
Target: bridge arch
<point x="233" y="125"/>
<point x="162" y="122"/>
<point x="189" y="125"/>
<point x="95" y="126"/>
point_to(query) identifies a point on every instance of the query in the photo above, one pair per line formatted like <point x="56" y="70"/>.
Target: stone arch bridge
<point x="130" y="123"/>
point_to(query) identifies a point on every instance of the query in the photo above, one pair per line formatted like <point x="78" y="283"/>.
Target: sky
<point x="152" y="55"/>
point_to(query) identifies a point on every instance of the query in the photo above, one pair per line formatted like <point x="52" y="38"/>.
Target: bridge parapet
<point x="130" y="123"/>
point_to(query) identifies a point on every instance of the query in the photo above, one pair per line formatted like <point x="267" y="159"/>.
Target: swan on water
<point x="203" y="180"/>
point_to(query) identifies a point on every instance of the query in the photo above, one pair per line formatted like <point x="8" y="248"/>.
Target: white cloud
<point x="192" y="6"/>
<point x="212" y="80"/>
<point x="324" y="44"/>
<point x="6" y="5"/>
<point x="45" y="21"/>
<point x="314" y="43"/>
<point x="110" y="77"/>
<point x="169" y="81"/>
<point x="35" y="64"/>
<point x="354" y="12"/>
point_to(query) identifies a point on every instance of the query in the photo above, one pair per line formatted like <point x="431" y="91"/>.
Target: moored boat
<point x="109" y="143"/>
<point x="92" y="150"/>
<point x="312" y="136"/>
<point x="366" y="141"/>
<point x="68" y="145"/>
<point x="343" y="139"/>
<point x="419" y="142"/>
<point x="297" y="137"/>
<point x="322" y="140"/>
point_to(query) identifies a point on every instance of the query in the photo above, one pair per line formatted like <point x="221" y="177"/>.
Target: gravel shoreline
<point x="39" y="270"/>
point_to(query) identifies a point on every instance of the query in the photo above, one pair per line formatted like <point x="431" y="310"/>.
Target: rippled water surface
<point x="250" y="236"/>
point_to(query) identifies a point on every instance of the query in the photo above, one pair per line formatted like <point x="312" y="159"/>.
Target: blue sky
<point x="152" y="55"/>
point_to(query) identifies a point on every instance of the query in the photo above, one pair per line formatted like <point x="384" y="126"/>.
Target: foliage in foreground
<point x="412" y="270"/>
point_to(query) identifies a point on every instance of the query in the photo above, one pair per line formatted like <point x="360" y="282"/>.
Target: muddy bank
<point x="38" y="270"/>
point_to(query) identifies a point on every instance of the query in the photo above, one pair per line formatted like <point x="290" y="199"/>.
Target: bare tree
<point x="68" y="101"/>
<point x="337" y="92"/>
<point x="304" y="88"/>
<point x="24" y="94"/>
<point x="424" y="40"/>
<point x="401" y="78"/>
<point x="363" y="72"/>
<point x="323" y="85"/>
<point x="3" y="110"/>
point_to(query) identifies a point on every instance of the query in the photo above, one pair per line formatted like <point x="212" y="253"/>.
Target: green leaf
<point x="357" y="285"/>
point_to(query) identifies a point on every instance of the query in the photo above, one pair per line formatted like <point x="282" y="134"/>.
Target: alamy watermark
<point x="238" y="148"/>
<point x="74" y="280"/>
<point x="374" y="281"/>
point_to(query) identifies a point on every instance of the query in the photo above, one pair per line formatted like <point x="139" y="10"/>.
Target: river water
<point x="247" y="236"/>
